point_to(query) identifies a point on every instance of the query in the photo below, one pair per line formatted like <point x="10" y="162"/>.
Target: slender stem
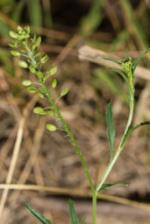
<point x="121" y="145"/>
<point x="73" y="142"/>
<point x="71" y="138"/>
<point x="94" y="206"/>
<point x="123" y="139"/>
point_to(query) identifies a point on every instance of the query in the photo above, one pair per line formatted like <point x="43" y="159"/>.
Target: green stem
<point x="71" y="137"/>
<point x="94" y="206"/>
<point x="123" y="139"/>
<point x="121" y="145"/>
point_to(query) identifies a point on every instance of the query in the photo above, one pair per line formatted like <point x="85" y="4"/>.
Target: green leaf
<point x="64" y="92"/>
<point x="38" y="215"/>
<point x="35" y="12"/>
<point x="110" y="129"/>
<point x="93" y="19"/>
<point x="39" y="110"/>
<point x="17" y="12"/>
<point x="132" y="129"/>
<point x="140" y="125"/>
<point x="51" y="127"/>
<point x="73" y="215"/>
<point x="106" y="186"/>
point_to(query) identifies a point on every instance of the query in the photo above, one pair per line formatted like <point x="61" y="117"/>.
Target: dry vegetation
<point x="40" y="167"/>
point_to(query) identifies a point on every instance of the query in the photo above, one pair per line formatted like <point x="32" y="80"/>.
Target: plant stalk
<point x="71" y="137"/>
<point x="94" y="206"/>
<point x="121" y="145"/>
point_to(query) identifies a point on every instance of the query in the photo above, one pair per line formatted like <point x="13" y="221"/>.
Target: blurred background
<point x="30" y="156"/>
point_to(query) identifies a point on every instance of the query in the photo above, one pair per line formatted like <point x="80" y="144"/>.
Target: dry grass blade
<point x="74" y="193"/>
<point x="33" y="156"/>
<point x="6" y="147"/>
<point x="16" y="151"/>
<point x="13" y="162"/>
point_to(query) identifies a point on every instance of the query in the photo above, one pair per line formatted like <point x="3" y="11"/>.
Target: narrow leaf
<point x="106" y="186"/>
<point x="38" y="215"/>
<point x="131" y="129"/>
<point x="73" y="215"/>
<point x="18" y="9"/>
<point x="110" y="129"/>
<point x="35" y="12"/>
<point x="141" y="124"/>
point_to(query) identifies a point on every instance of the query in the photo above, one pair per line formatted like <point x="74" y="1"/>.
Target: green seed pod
<point x="64" y="92"/>
<point x="15" y="53"/>
<point x="13" y="35"/>
<point x="39" y="110"/>
<point x="26" y="82"/>
<point x="53" y="71"/>
<point x="44" y="59"/>
<point x="51" y="127"/>
<point x="54" y="83"/>
<point x="23" y="64"/>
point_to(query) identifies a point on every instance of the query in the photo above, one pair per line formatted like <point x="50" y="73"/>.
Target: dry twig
<point x="74" y="193"/>
<point x="106" y="59"/>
